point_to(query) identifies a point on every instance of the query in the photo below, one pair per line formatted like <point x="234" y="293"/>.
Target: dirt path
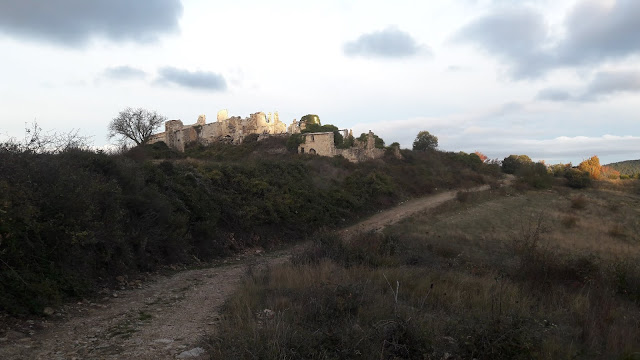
<point x="404" y="210"/>
<point x="166" y="317"/>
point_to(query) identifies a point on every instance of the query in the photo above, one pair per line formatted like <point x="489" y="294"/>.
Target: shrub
<point x="577" y="179"/>
<point x="535" y="175"/>
<point x="293" y="142"/>
<point x="512" y="163"/>
<point x="579" y="202"/>
<point x="569" y="221"/>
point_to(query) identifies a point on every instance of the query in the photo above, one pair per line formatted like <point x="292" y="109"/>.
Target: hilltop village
<point x="233" y="130"/>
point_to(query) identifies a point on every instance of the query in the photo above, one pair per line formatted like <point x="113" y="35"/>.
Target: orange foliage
<point x="609" y="172"/>
<point x="592" y="166"/>
<point x="482" y="156"/>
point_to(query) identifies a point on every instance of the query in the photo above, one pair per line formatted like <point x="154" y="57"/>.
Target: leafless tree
<point x="135" y="125"/>
<point x="38" y="141"/>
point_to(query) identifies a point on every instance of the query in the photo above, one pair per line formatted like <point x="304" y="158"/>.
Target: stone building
<point x="233" y="130"/>
<point x="323" y="144"/>
<point x="225" y="129"/>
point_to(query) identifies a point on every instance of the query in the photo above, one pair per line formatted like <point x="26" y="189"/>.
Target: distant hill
<point x="628" y="167"/>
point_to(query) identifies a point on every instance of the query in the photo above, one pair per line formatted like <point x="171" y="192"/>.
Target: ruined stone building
<point x="233" y="130"/>
<point x="226" y="129"/>
<point x="323" y="143"/>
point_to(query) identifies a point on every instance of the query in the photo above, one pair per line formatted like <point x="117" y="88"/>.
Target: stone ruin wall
<point x="225" y="129"/>
<point x="323" y="144"/>
<point x="234" y="129"/>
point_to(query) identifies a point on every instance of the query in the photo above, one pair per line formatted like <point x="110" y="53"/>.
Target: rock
<point x="48" y="311"/>
<point x="191" y="353"/>
<point x="115" y="295"/>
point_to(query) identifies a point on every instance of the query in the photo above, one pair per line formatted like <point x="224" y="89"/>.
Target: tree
<point x="425" y="141"/>
<point x="513" y="163"/>
<point x="135" y="125"/>
<point x="482" y="156"/>
<point x="310" y="119"/>
<point x="609" y="173"/>
<point x="592" y="166"/>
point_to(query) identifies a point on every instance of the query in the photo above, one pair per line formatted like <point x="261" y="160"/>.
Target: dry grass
<point x="498" y="275"/>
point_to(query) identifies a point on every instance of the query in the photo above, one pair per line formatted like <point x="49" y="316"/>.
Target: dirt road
<point x="404" y="210"/>
<point x="167" y="316"/>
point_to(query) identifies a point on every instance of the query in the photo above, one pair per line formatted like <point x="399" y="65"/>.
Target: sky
<point x="556" y="80"/>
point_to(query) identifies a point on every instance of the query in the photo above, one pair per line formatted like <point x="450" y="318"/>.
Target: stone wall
<point x="323" y="144"/>
<point x="225" y="129"/>
<point x="318" y="144"/>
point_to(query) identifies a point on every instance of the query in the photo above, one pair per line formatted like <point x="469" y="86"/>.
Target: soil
<point x="164" y="316"/>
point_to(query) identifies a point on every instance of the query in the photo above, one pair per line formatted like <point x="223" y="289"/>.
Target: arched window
<point x="312" y="151"/>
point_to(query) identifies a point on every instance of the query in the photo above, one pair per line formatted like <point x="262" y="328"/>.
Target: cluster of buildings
<point x="233" y="130"/>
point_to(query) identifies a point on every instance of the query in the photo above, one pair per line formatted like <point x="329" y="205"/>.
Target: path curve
<point x="409" y="208"/>
<point x="167" y="317"/>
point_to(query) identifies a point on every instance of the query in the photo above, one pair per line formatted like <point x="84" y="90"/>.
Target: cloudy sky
<point x="557" y="80"/>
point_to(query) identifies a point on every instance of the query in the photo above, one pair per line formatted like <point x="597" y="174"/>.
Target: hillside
<point x="71" y="223"/>
<point x="502" y="274"/>
<point x="628" y="167"/>
<point x="163" y="315"/>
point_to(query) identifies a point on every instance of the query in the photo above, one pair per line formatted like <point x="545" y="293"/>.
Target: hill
<point x="76" y="220"/>
<point x="501" y="274"/>
<point x="628" y="167"/>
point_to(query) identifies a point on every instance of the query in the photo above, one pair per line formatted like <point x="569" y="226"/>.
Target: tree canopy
<point x="135" y="125"/>
<point x="513" y="163"/>
<point x="592" y="166"/>
<point x="425" y="141"/>
<point x="310" y="119"/>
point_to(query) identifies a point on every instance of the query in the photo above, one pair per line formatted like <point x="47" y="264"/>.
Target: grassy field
<point x="503" y="274"/>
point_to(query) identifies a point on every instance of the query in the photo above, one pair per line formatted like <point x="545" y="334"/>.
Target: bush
<point x="577" y="179"/>
<point x="513" y="163"/>
<point x="579" y="202"/>
<point x="535" y="175"/>
<point x="293" y="142"/>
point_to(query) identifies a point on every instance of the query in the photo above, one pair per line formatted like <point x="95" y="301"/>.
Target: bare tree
<point x="50" y="142"/>
<point x="136" y="125"/>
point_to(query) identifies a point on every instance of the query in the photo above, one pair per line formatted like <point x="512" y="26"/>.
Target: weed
<point x="579" y="202"/>
<point x="144" y="316"/>
<point x="617" y="231"/>
<point x="569" y="221"/>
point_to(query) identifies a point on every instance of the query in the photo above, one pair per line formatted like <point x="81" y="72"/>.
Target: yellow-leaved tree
<point x="592" y="166"/>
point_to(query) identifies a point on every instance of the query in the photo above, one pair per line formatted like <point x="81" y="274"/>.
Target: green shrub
<point x="577" y="179"/>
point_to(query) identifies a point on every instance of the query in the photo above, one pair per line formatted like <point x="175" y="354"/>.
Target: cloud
<point x="601" y="86"/>
<point x="607" y="83"/>
<point x="508" y="109"/>
<point x="74" y="23"/>
<point x="388" y="43"/>
<point x="124" y="72"/>
<point x="201" y="80"/>
<point x="595" y="31"/>
<point x="576" y="147"/>
<point x="516" y="35"/>
<point x="553" y="94"/>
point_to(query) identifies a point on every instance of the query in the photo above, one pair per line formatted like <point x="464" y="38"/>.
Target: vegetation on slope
<point x="629" y="167"/>
<point x="74" y="219"/>
<point x="495" y="275"/>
